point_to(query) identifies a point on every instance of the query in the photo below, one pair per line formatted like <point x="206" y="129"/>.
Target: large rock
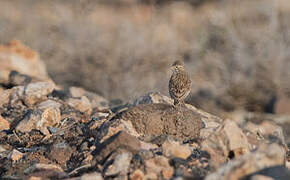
<point x="120" y="140"/>
<point x="30" y="94"/>
<point x="163" y="119"/>
<point x="265" y="156"/>
<point x="37" y="92"/>
<point x="228" y="141"/>
<point x="40" y="120"/>
<point x="17" y="57"/>
<point x="210" y="122"/>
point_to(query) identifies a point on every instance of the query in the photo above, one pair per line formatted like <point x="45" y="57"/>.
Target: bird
<point x="179" y="83"/>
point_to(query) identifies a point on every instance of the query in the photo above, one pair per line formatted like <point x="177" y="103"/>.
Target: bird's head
<point x="177" y="66"/>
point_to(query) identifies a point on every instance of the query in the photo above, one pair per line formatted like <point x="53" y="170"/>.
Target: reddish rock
<point x="137" y="175"/>
<point x="4" y="124"/>
<point x="172" y="148"/>
<point x="15" y="155"/>
<point x="17" y="57"/>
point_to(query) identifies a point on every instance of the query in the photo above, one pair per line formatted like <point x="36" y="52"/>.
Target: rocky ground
<point x="51" y="132"/>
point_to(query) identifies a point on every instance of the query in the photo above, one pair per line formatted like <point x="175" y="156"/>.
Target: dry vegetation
<point x="236" y="51"/>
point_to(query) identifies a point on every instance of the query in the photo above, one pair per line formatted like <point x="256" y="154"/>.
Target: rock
<point x="120" y="140"/>
<point x="40" y="166"/>
<point x="18" y="79"/>
<point x="17" y="57"/>
<point x="159" y="166"/>
<point x="137" y="175"/>
<point x="91" y="176"/>
<point x="228" y="141"/>
<point x="29" y="121"/>
<point x="173" y="148"/>
<point x="49" y="118"/>
<point x="4" y="124"/>
<point x="82" y="104"/>
<point x="40" y="120"/>
<point x="272" y="172"/>
<point x="261" y="177"/>
<point x="120" y="165"/>
<point x="235" y="136"/>
<point x="153" y="97"/>
<point x="163" y="119"/>
<point x="60" y="152"/>
<point x="266" y="130"/>
<point x="15" y="155"/>
<point x="95" y="100"/>
<point x="11" y="96"/>
<point x="112" y="127"/>
<point x="37" y="92"/>
<point x="48" y="104"/>
<point x="156" y="98"/>
<point x="45" y="171"/>
<point x="265" y="156"/>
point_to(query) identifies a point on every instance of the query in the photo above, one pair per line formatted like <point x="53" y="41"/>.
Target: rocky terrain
<point x="52" y="132"/>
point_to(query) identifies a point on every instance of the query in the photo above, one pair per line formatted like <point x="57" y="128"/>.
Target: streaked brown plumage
<point x="179" y="83"/>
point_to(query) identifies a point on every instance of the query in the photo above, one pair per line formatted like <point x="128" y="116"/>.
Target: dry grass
<point x="231" y="48"/>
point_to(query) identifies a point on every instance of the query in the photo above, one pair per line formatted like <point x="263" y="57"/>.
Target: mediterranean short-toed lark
<point x="179" y="83"/>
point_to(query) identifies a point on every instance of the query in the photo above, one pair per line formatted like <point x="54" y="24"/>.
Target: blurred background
<point x="237" y="52"/>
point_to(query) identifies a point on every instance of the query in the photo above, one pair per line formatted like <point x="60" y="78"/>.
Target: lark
<point x="179" y="83"/>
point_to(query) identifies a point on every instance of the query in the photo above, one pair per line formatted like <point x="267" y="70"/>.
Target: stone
<point x="92" y="176"/>
<point x="48" y="104"/>
<point x="37" y="92"/>
<point x="227" y="141"/>
<point x="261" y="177"/>
<point x="29" y="121"/>
<point x="82" y="104"/>
<point x="137" y="175"/>
<point x="272" y="172"/>
<point x="4" y="124"/>
<point x="159" y="166"/>
<point x="45" y="171"/>
<point x="60" y="152"/>
<point x="153" y="97"/>
<point x="266" y="130"/>
<point x="40" y="120"/>
<point x="120" y="165"/>
<point x="121" y="140"/>
<point x="158" y="98"/>
<point x="235" y="136"/>
<point x="15" y="155"/>
<point x="49" y="118"/>
<point x="163" y="119"/>
<point x="17" y="57"/>
<point x="174" y="149"/>
<point x="114" y="127"/>
<point x="11" y="96"/>
<point x="95" y="100"/>
<point x="266" y="156"/>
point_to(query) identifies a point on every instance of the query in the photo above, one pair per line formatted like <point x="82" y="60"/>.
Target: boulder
<point x="266" y="156"/>
<point x="228" y="141"/>
<point x="163" y="119"/>
<point x="17" y="57"/>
